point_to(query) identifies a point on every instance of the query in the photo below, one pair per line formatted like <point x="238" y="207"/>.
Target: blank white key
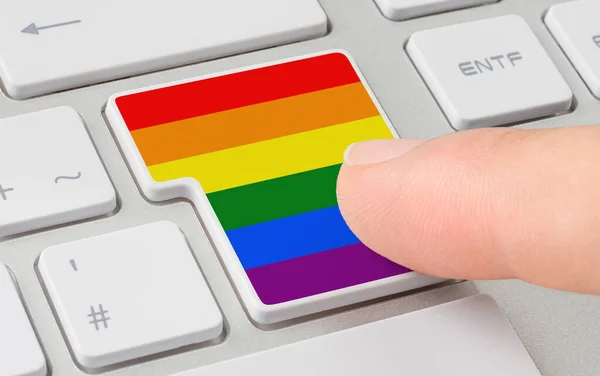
<point x="20" y="352"/>
<point x="50" y="172"/>
<point x="469" y="337"/>
<point x="60" y="44"/>
<point x="129" y="294"/>
<point x="575" y="26"/>
<point x="489" y="72"/>
<point x="404" y="9"/>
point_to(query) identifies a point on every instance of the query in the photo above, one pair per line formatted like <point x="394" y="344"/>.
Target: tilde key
<point x="36" y="149"/>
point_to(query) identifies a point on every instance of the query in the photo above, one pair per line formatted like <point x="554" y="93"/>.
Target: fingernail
<point x="377" y="151"/>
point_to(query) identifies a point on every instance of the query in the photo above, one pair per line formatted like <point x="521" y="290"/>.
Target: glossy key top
<point x="467" y="337"/>
<point x="47" y="46"/>
<point x="128" y="294"/>
<point x="574" y="25"/>
<point x="398" y="10"/>
<point x="258" y="152"/>
<point x="20" y="351"/>
<point x="489" y="72"/>
<point x="50" y="173"/>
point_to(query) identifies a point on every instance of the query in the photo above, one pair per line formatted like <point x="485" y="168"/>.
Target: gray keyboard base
<point x="560" y="330"/>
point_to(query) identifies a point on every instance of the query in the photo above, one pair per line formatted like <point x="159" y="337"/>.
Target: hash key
<point x="489" y="72"/>
<point x="129" y="294"/>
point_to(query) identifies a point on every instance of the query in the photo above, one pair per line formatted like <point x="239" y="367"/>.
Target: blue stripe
<point x="287" y="238"/>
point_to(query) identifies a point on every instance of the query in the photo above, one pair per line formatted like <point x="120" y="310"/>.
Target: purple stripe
<point x="320" y="272"/>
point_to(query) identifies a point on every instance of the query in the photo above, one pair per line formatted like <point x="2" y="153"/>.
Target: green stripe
<point x="276" y="198"/>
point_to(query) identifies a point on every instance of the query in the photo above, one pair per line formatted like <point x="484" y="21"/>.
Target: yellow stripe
<point x="273" y="158"/>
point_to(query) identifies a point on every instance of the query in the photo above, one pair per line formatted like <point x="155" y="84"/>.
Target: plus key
<point x="4" y="191"/>
<point x="25" y="167"/>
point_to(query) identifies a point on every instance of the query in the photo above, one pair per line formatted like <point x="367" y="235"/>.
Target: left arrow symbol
<point x="35" y="29"/>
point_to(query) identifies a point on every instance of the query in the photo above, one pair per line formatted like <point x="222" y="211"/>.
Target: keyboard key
<point x="468" y="337"/>
<point x="261" y="168"/>
<point x="575" y="27"/>
<point x="50" y="46"/>
<point x="398" y="10"/>
<point x="489" y="72"/>
<point x="50" y="173"/>
<point x="20" y="351"/>
<point x="129" y="294"/>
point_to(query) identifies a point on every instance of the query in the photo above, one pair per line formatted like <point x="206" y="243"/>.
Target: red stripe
<point x="164" y="105"/>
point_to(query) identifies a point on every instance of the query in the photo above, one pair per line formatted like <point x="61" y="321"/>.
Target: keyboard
<point x="168" y="171"/>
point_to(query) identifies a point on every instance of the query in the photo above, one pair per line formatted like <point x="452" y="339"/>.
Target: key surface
<point x="61" y="44"/>
<point x="575" y="27"/>
<point x="261" y="168"/>
<point x="489" y="72"/>
<point x="129" y="294"/>
<point x="20" y="351"/>
<point x="50" y="173"/>
<point x="468" y="337"/>
<point x="398" y="10"/>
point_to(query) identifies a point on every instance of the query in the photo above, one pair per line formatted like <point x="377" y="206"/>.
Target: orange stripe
<point x="259" y="122"/>
<point x="233" y="90"/>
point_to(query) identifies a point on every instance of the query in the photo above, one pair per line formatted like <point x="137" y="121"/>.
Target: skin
<point x="496" y="203"/>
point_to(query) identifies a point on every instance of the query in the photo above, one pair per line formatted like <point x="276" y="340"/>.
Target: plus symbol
<point x="3" y="192"/>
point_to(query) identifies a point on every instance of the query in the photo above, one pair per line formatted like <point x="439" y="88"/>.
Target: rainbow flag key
<point x="258" y="151"/>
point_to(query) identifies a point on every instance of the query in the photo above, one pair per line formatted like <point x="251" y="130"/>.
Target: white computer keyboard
<point x="219" y="242"/>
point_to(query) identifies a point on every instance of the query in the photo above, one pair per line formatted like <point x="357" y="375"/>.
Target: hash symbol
<point x="99" y="317"/>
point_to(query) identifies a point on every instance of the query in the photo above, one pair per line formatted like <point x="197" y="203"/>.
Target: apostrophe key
<point x="128" y="294"/>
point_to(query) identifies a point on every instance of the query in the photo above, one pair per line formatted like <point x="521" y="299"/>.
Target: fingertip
<point x="356" y="193"/>
<point x="484" y="204"/>
<point x="396" y="202"/>
<point x="377" y="151"/>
